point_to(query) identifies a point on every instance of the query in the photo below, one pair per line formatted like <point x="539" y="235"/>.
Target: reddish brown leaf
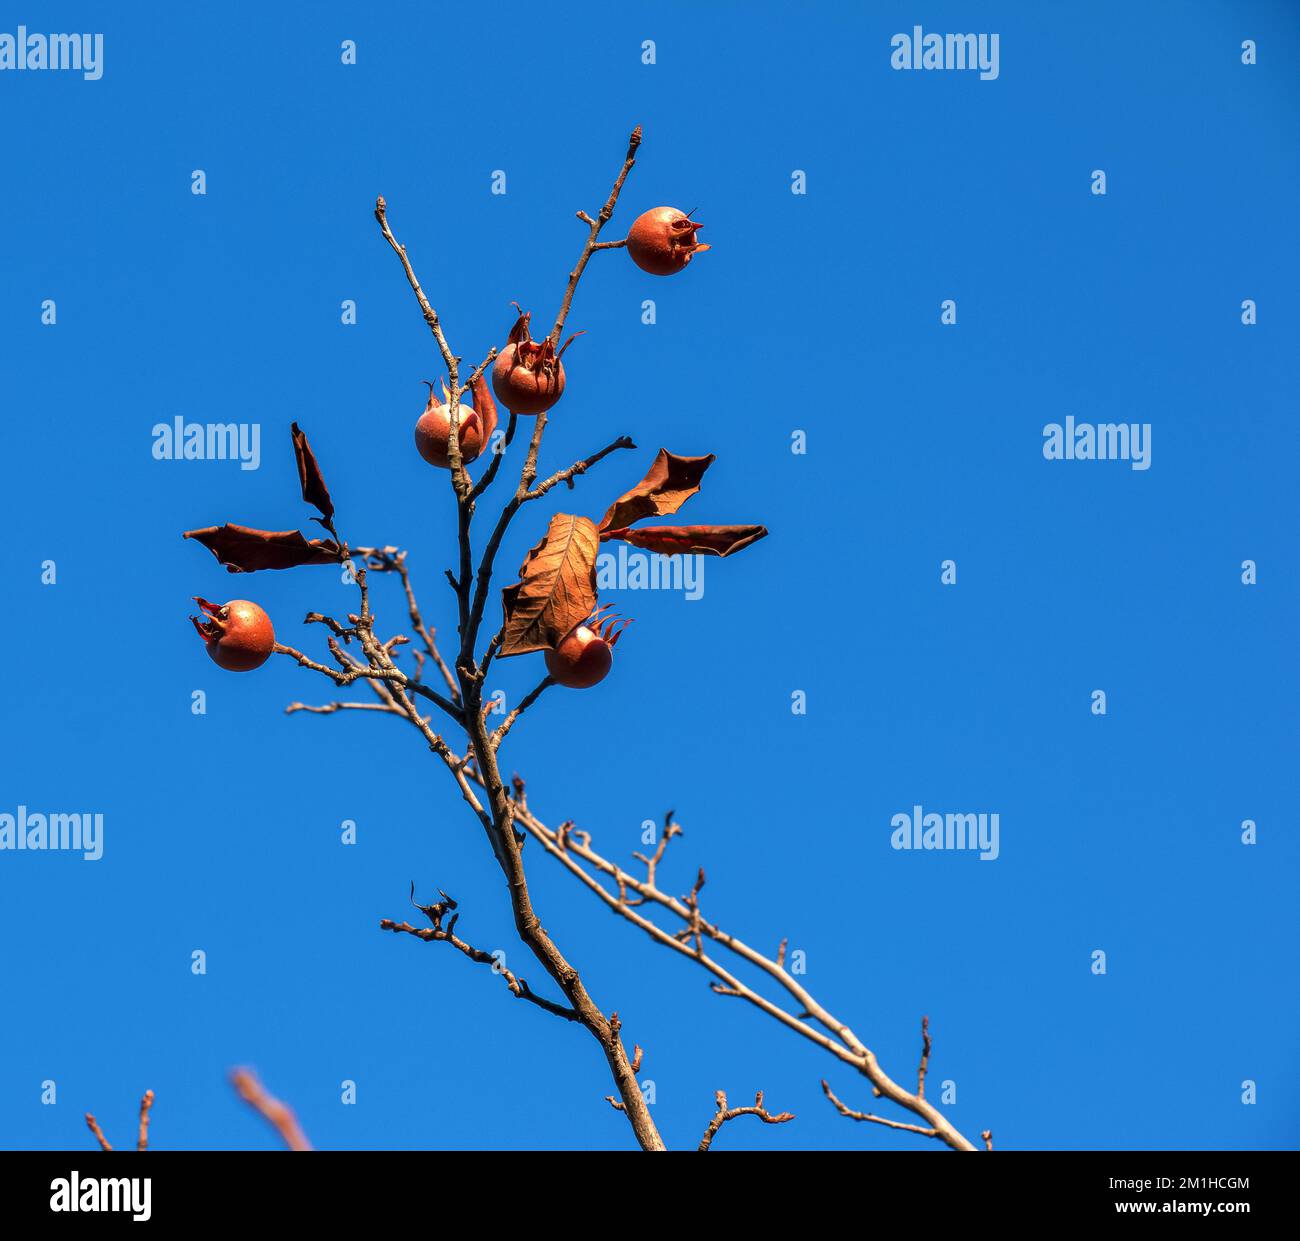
<point x="484" y="406"/>
<point x="691" y="540"/>
<point x="671" y="481"/>
<point x="314" y="490"/>
<point x="556" y="588"/>
<point x="245" y="550"/>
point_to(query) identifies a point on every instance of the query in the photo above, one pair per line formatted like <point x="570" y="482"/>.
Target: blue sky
<point x="818" y="312"/>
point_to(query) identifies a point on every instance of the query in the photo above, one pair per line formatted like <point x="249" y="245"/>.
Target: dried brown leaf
<point x="690" y="540"/>
<point x="670" y="482"/>
<point x="556" y="588"/>
<point x="245" y="550"/>
<point x="314" y="490"/>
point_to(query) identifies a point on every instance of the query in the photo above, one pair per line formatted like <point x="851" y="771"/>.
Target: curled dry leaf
<point x="690" y="540"/>
<point x="314" y="490"/>
<point x="556" y="588"/>
<point x="245" y="550"/>
<point x="669" y="483"/>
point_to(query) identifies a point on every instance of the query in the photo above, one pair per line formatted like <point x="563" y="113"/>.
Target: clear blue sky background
<point x="818" y="312"/>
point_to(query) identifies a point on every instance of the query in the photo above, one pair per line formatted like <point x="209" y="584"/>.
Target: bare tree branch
<point x="505" y="816"/>
<point x="572" y="849"/>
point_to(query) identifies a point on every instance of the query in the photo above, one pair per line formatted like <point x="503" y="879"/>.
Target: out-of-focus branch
<point x="725" y="1114"/>
<point x="279" y="1115"/>
<point x="142" y="1134"/>
<point x="142" y="1138"/>
<point x="93" y="1125"/>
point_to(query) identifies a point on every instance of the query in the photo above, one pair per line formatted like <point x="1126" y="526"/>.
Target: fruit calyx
<point x="216" y="619"/>
<point x="584" y="656"/>
<point x="528" y="376"/>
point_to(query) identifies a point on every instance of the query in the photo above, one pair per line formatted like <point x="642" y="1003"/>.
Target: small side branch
<point x="725" y="1114"/>
<point x="390" y="560"/>
<point x="577" y="468"/>
<point x="845" y="1110"/>
<point x="329" y="708"/>
<point x="509" y="722"/>
<point x="445" y="910"/>
<point x="671" y="829"/>
<point x="352" y="671"/>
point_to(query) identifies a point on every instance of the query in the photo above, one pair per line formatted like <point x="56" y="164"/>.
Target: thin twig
<point x="460" y="479"/>
<point x="389" y="559"/>
<point x="845" y="1110"/>
<point x="357" y="672"/>
<point x="578" y="468"/>
<point x="509" y="722"/>
<point x="595" y="226"/>
<point x="329" y="708"/>
<point x="725" y="1114"/>
<point x="925" y="1057"/>
<point x="438" y="933"/>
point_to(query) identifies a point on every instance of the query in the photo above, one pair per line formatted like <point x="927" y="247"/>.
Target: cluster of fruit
<point x="528" y="379"/>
